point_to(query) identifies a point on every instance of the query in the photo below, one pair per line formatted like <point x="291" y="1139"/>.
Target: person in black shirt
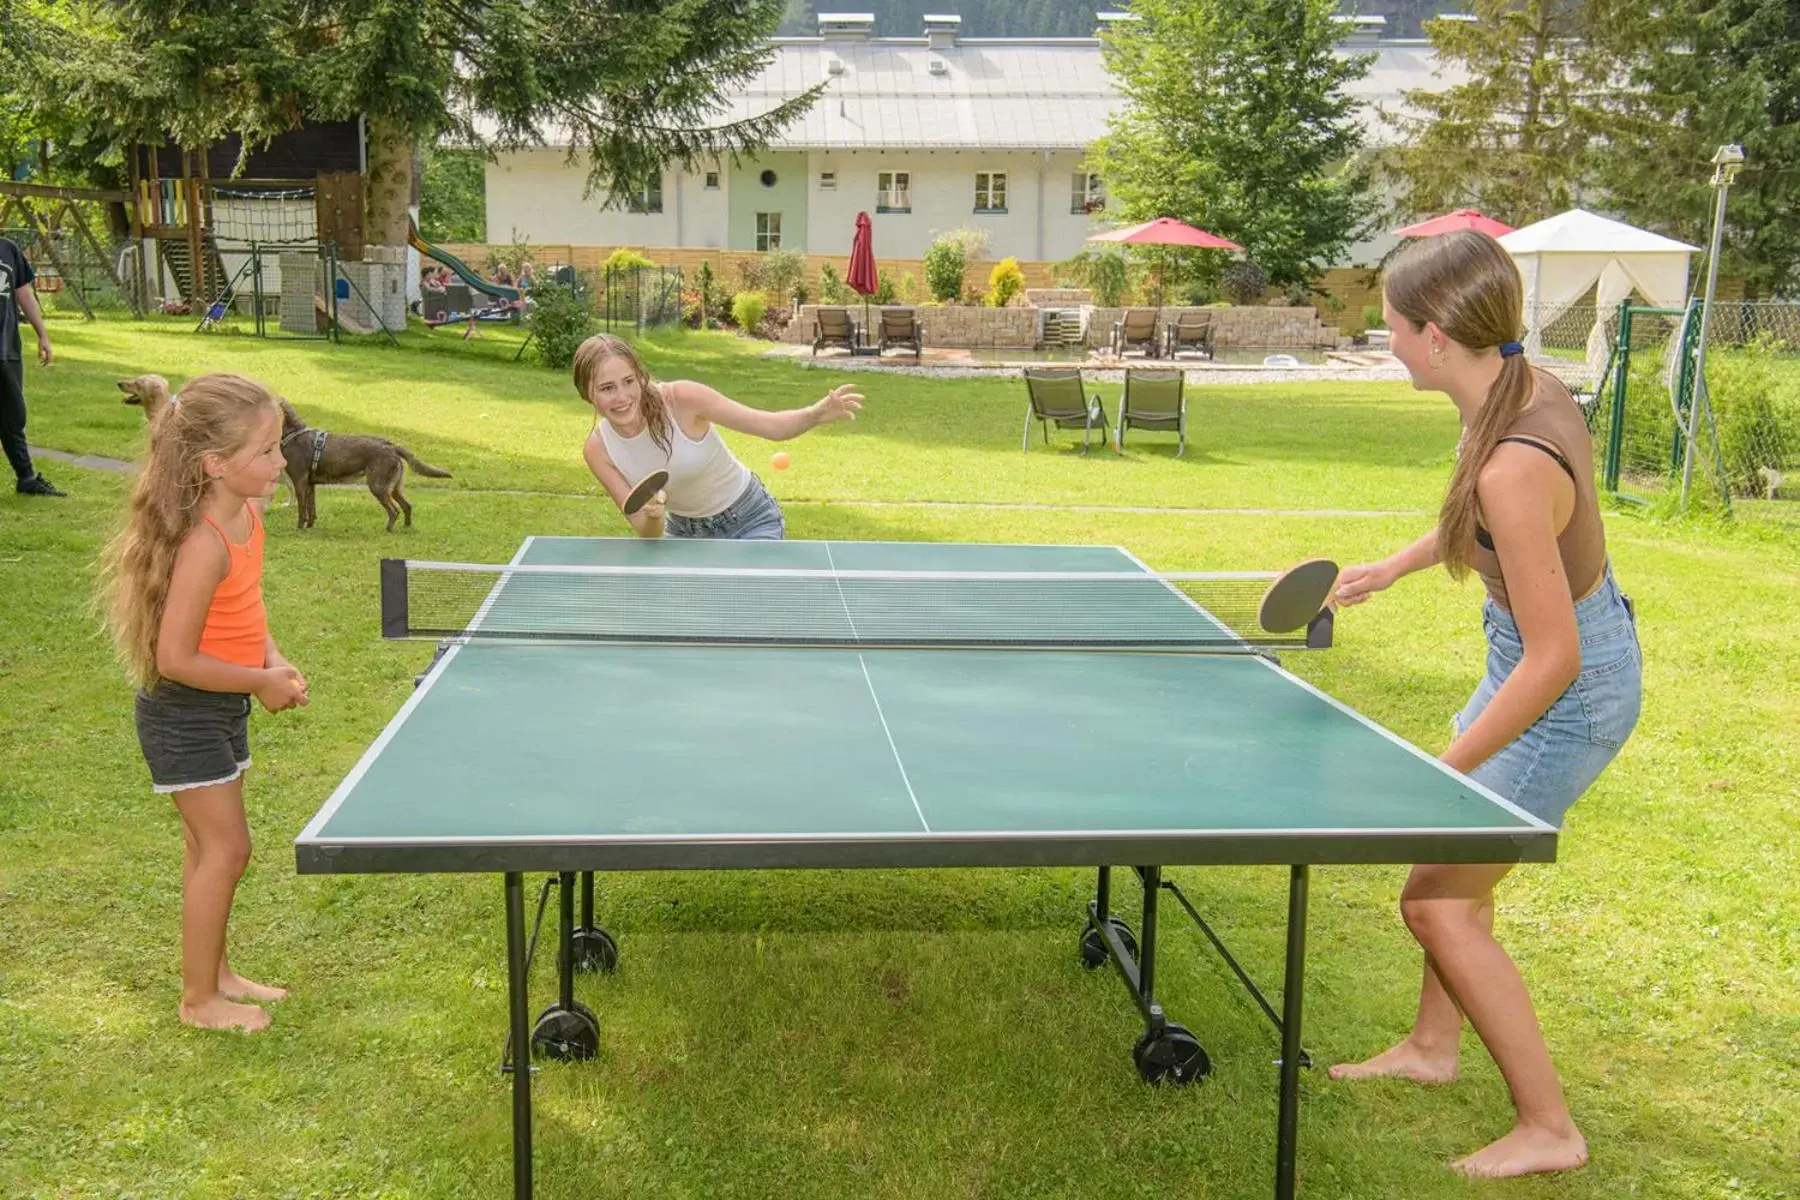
<point x="17" y="296"/>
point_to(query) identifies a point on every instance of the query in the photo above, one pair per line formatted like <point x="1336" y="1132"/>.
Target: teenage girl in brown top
<point x="1564" y="672"/>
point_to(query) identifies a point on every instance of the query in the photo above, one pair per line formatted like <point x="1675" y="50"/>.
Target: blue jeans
<point x="754" y="514"/>
<point x="1547" y="768"/>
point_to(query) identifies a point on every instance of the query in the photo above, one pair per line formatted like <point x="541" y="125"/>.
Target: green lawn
<point x="866" y="1034"/>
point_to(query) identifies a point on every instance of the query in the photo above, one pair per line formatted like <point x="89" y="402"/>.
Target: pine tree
<point x="1705" y="73"/>
<point x="1513" y="140"/>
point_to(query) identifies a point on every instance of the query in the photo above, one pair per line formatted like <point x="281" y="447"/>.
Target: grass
<point x="867" y="1034"/>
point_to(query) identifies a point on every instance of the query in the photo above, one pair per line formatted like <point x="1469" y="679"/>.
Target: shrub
<point x="944" y="263"/>
<point x="1372" y="317"/>
<point x="1105" y="272"/>
<point x="624" y="259"/>
<point x="561" y="318"/>
<point x="885" y="291"/>
<point x="747" y="310"/>
<point x="833" y="290"/>
<point x="1004" y="282"/>
<point x="783" y="274"/>
<point x="1244" y="282"/>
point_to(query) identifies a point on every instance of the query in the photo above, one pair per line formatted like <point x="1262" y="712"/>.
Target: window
<point x="1086" y="193"/>
<point x="768" y="231"/>
<point x="649" y="200"/>
<point x="712" y="181"/>
<point x="828" y="181"/>
<point x="990" y="191"/>
<point x="893" y="192"/>
<point x="768" y="179"/>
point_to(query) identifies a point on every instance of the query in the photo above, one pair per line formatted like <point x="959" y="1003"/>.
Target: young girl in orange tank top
<point x="184" y="584"/>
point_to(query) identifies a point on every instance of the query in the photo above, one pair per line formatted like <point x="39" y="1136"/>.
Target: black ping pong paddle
<point x="1297" y="595"/>
<point x="641" y="494"/>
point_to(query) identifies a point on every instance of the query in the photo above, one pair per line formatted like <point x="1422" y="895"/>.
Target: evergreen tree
<point x="1514" y="139"/>
<point x="1706" y="73"/>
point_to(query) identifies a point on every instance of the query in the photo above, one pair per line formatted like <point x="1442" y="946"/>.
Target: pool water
<point x="1241" y="356"/>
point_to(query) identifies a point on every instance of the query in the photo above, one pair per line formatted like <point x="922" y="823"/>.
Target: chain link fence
<point x="1637" y="379"/>
<point x="641" y="297"/>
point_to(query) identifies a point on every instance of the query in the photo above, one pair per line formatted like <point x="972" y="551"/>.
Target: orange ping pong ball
<point x="781" y="460"/>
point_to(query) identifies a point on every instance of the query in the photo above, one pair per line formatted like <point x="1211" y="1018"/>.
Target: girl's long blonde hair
<point x="214" y="414"/>
<point x="1469" y="286"/>
<point x="602" y="346"/>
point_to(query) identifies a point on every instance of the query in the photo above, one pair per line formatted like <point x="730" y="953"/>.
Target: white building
<point x="925" y="134"/>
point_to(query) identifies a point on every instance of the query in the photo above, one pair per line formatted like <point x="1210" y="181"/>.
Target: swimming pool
<point x="1232" y="356"/>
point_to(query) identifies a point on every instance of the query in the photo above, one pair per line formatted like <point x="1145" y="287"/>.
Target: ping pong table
<point x="844" y="729"/>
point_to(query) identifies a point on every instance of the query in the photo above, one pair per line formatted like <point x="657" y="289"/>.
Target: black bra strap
<point x="1552" y="451"/>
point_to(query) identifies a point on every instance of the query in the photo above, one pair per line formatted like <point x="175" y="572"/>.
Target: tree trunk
<point x="390" y="182"/>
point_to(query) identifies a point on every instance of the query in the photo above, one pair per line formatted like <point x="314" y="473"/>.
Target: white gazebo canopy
<point x="1561" y="257"/>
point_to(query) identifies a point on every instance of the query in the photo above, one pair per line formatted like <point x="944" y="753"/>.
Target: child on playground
<point x="185" y="605"/>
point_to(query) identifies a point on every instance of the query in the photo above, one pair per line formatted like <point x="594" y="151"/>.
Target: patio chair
<point x="1057" y="397"/>
<point x="833" y="327"/>
<point x="1136" y="327"/>
<point x="1154" y="399"/>
<point x="900" y="329"/>
<point x="1190" y="330"/>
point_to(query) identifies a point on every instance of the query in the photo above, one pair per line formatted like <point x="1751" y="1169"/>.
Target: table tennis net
<point x="1211" y="612"/>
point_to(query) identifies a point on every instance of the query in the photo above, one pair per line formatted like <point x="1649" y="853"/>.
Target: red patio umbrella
<point x="1462" y="218"/>
<point x="861" y="276"/>
<point x="1165" y="231"/>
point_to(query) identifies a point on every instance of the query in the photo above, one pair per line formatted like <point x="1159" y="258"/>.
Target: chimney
<point x="940" y="29"/>
<point x="1361" y="30"/>
<point x="846" y="27"/>
<point x="1113" y="21"/>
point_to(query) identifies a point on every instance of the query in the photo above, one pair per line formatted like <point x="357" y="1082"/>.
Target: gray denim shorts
<point x="192" y="738"/>
<point x="1546" y="769"/>
<point x="753" y="515"/>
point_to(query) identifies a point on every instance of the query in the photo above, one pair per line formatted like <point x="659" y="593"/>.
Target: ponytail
<point x="1506" y="399"/>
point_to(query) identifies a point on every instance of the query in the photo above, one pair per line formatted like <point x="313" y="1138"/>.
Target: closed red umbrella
<point x="861" y="277"/>
<point x="1462" y="218"/>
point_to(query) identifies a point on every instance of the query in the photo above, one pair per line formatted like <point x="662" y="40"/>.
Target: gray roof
<point x="988" y="93"/>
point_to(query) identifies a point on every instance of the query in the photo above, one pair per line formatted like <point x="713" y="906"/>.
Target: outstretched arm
<point x="840" y="404"/>
<point x="1357" y="584"/>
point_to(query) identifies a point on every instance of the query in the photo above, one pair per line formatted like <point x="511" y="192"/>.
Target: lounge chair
<point x="1154" y="399"/>
<point x="1190" y="330"/>
<point x="900" y="329"/>
<point x="1137" y="327"/>
<point x="1057" y="397"/>
<point x="833" y="327"/>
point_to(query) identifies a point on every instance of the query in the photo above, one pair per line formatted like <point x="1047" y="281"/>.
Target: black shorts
<point x="192" y="738"/>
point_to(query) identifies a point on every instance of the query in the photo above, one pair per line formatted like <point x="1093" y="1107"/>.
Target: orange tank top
<point x="237" y="624"/>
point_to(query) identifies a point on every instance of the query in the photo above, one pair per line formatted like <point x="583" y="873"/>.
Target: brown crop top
<point x="1552" y="423"/>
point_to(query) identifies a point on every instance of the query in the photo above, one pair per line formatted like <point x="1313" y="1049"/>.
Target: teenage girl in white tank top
<point x="643" y="426"/>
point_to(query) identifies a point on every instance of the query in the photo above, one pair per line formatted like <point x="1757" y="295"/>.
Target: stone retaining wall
<point x="968" y="327"/>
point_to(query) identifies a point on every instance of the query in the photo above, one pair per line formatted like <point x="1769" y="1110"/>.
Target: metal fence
<point x="1641" y="396"/>
<point x="642" y="297"/>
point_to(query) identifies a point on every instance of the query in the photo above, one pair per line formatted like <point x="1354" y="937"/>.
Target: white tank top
<point x="704" y="476"/>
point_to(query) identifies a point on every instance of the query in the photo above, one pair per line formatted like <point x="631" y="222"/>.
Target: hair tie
<point x="175" y="400"/>
<point x="1508" y="349"/>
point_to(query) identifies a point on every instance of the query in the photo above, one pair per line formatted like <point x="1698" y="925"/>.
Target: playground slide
<point x="343" y="317"/>
<point x="459" y="268"/>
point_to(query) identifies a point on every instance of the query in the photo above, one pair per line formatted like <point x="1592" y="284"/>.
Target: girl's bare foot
<point x="216" y="1012"/>
<point x="235" y="987"/>
<point x="1527" y="1150"/>
<point x="1404" y="1061"/>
